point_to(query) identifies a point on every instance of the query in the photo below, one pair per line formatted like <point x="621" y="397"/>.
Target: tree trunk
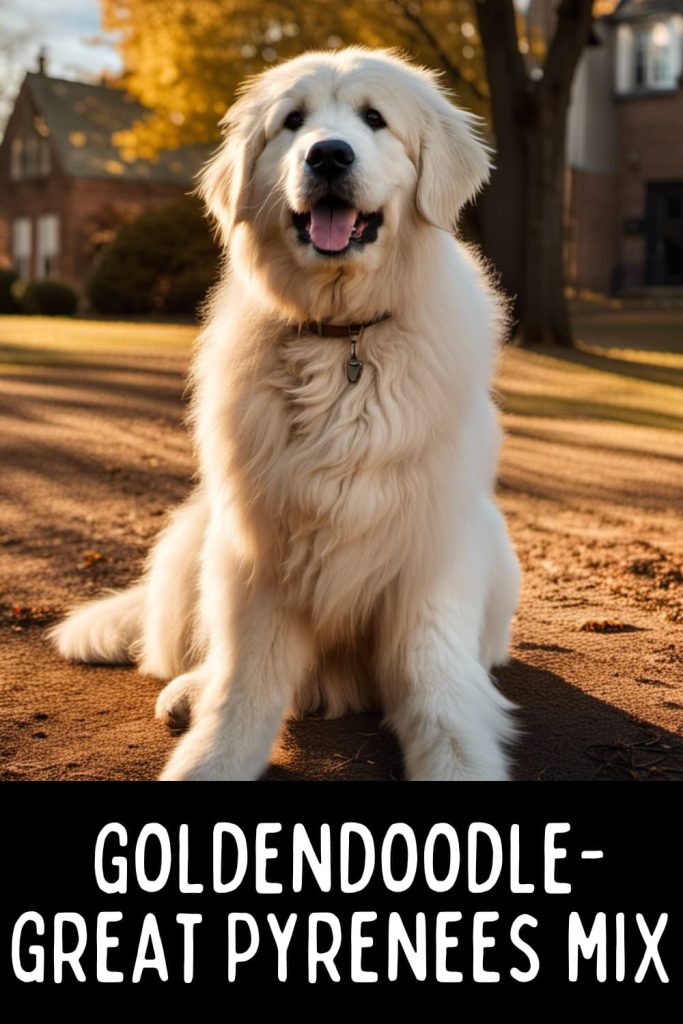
<point x="523" y="208"/>
<point x="504" y="200"/>
<point x="544" y="316"/>
<point x="502" y="209"/>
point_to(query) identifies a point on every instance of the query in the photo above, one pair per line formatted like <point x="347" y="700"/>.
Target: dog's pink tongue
<point x="331" y="226"/>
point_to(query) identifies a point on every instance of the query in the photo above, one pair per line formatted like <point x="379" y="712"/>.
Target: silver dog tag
<point x="354" y="366"/>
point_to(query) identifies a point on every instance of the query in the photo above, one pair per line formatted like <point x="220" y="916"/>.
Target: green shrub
<point x="188" y="290"/>
<point x="8" y="302"/>
<point x="163" y="262"/>
<point x="48" y="298"/>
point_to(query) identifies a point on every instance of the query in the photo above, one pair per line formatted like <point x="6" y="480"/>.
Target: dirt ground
<point x="94" y="453"/>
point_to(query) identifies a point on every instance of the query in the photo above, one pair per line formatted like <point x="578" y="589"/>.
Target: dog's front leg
<point x="247" y="689"/>
<point x="450" y="719"/>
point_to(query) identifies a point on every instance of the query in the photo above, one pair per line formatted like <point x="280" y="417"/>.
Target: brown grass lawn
<point x="94" y="452"/>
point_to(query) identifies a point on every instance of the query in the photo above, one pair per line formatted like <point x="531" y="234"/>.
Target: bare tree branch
<point x="443" y="57"/>
<point x="12" y="47"/>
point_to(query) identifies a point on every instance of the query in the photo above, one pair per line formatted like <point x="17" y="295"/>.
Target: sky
<point x="62" y="27"/>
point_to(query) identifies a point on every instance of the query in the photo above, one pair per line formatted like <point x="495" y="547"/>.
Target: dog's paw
<point x="177" y="699"/>
<point x="204" y="772"/>
<point x="449" y="759"/>
<point x="190" y="763"/>
<point x="210" y="753"/>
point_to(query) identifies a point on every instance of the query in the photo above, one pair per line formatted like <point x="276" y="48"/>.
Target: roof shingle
<point x="82" y="119"/>
<point x="629" y="10"/>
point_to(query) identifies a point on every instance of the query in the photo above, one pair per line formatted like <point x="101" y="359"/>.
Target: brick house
<point x="625" y="153"/>
<point x="64" y="186"/>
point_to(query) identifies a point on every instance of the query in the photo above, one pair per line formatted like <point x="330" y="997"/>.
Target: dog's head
<point x="327" y="155"/>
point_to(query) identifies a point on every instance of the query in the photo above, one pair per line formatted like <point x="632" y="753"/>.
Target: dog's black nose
<point x="330" y="158"/>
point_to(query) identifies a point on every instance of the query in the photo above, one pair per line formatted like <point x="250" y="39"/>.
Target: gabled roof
<point x="629" y="10"/>
<point x="82" y="119"/>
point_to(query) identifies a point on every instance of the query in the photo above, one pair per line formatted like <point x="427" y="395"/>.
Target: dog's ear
<point x="225" y="182"/>
<point x="454" y="162"/>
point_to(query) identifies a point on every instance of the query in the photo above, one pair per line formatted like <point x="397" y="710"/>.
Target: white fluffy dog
<point x="343" y="547"/>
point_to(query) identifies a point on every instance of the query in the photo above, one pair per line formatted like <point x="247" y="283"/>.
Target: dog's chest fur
<point x="340" y="482"/>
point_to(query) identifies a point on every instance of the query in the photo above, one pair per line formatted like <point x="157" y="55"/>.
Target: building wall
<point x="650" y="150"/>
<point x="621" y="138"/>
<point x="16" y="197"/>
<point x="90" y="208"/>
<point x="87" y="208"/>
<point x="592" y="251"/>
<point x="592" y="192"/>
<point x="591" y="125"/>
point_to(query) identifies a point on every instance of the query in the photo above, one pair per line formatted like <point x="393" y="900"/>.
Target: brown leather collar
<point x="325" y="330"/>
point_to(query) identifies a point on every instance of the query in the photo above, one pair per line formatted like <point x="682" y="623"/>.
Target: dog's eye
<point x="294" y="120"/>
<point x="373" y="118"/>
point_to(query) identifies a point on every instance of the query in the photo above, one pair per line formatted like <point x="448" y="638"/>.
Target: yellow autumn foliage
<point x="183" y="59"/>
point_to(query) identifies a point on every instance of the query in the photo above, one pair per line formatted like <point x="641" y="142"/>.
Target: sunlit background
<point x="109" y="109"/>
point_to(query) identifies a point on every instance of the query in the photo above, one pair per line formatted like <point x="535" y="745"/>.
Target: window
<point x="648" y="56"/>
<point x="640" y="68"/>
<point x="43" y="158"/>
<point x="660" y="70"/>
<point x="47" y="245"/>
<point x="17" y="159"/>
<point x="29" y="157"/>
<point x="21" y="246"/>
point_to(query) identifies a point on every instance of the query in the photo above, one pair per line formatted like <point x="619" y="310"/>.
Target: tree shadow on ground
<point x="571" y="396"/>
<point x="578" y="407"/>
<point x="60" y="360"/>
<point x="657" y="329"/>
<point x="565" y="735"/>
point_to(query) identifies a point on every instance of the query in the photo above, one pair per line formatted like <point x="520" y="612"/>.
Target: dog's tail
<point x="103" y="631"/>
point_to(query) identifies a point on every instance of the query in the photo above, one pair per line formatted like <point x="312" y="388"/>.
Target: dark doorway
<point x="665" y="233"/>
